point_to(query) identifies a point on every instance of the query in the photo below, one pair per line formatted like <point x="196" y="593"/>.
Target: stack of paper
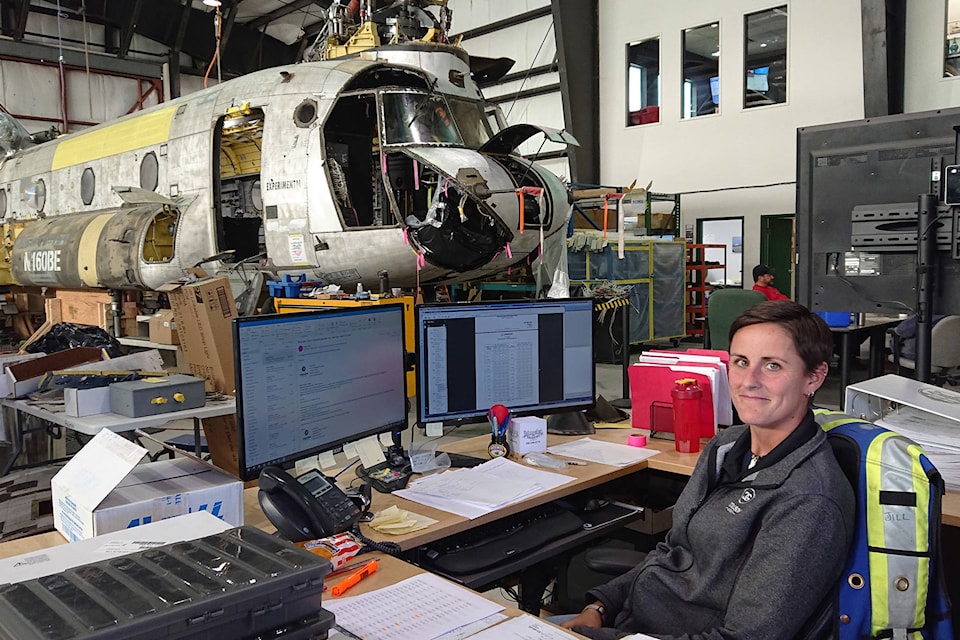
<point x="473" y="492"/>
<point x="616" y="455"/>
<point x="655" y="373"/>
<point x="425" y="607"/>
<point x="939" y="437"/>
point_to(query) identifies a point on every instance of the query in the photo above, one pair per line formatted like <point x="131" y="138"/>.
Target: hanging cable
<point x="216" y="54"/>
<point x="529" y="69"/>
<point x="63" y="79"/>
<point x="86" y="57"/>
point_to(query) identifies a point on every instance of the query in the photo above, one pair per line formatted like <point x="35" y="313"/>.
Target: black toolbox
<point x="241" y="583"/>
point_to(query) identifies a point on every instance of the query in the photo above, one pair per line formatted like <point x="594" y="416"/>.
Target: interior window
<point x="701" y="70"/>
<point x="765" y="57"/>
<point x="951" y="52"/>
<point x="643" y="82"/>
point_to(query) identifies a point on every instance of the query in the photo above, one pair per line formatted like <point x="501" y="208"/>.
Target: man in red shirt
<point x="763" y="282"/>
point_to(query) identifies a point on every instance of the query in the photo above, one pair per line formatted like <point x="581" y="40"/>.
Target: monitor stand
<point x="570" y="423"/>
<point x="392" y="474"/>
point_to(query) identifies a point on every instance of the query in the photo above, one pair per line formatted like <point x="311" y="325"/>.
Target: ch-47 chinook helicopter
<point x="376" y="154"/>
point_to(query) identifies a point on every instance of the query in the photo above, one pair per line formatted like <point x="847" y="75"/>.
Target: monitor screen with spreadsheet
<point x="309" y="382"/>
<point x="534" y="356"/>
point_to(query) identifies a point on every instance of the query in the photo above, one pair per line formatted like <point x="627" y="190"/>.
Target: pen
<point x="351" y="580"/>
<point x="347" y="569"/>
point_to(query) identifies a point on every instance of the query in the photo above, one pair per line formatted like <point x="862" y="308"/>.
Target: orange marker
<point x="341" y="587"/>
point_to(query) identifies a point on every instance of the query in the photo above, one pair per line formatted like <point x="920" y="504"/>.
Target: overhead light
<point x="763" y="44"/>
<point x="716" y="54"/>
<point x="212" y="3"/>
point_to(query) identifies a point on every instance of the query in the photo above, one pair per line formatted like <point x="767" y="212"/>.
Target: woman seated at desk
<point x="761" y="531"/>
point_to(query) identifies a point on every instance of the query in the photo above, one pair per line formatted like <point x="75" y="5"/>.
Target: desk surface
<point x="585" y="477"/>
<point x="91" y="425"/>
<point x="447" y="523"/>
<point x="870" y="322"/>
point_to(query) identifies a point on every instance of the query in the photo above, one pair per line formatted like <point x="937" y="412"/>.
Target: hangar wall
<point x="721" y="162"/>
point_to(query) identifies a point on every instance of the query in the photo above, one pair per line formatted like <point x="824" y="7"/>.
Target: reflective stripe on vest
<point x="897" y="491"/>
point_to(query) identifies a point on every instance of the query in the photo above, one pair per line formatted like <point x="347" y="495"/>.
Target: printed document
<point x="473" y="492"/>
<point x="617" y="455"/>
<point x="424" y="607"/>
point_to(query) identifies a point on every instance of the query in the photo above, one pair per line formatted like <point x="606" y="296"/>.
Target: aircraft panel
<point x="126" y="135"/>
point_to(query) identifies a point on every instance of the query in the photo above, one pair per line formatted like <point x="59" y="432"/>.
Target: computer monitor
<point x="309" y="382"/>
<point x="534" y="357"/>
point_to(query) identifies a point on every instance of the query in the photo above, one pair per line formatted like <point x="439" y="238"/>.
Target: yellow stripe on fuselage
<point x="136" y="133"/>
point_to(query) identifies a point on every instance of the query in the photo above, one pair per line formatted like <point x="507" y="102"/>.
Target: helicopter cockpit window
<point x="472" y="122"/>
<point x="419" y="118"/>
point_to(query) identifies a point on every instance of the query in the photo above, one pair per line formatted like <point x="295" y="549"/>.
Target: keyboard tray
<point x="497" y="542"/>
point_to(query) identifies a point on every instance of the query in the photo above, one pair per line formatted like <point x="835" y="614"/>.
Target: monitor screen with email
<point x="534" y="356"/>
<point x="309" y="382"/>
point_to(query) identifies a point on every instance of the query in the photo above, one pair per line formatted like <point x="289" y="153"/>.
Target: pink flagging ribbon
<point x="406" y="240"/>
<point x="509" y="253"/>
<point x="416" y="176"/>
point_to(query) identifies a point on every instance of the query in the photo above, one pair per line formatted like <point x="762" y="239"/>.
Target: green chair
<point x="723" y="307"/>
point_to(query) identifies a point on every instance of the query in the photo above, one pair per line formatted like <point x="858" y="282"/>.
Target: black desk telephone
<point x="310" y="506"/>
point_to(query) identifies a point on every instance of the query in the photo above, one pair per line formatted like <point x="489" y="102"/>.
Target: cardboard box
<point x="24" y="377"/>
<point x="163" y="328"/>
<point x="204" y="311"/>
<point x="527" y="435"/>
<point x="86" y="402"/>
<point x="103" y="489"/>
<point x="8" y="359"/>
<point x="152" y="396"/>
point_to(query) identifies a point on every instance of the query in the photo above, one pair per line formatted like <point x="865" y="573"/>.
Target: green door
<point x="777" y="249"/>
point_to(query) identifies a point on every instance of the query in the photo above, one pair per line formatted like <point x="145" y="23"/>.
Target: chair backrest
<point x="723" y="307"/>
<point x="945" y="344"/>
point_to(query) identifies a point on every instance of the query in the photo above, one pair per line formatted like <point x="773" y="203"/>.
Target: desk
<point x="91" y="425"/>
<point x="585" y="477"/>
<point x="853" y="335"/>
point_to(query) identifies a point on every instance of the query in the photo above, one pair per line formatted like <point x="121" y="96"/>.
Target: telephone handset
<point x="310" y="506"/>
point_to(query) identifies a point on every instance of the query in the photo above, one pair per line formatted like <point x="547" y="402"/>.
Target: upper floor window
<point x="765" y="57"/>
<point x="701" y="70"/>
<point x="951" y="51"/>
<point x="643" y="82"/>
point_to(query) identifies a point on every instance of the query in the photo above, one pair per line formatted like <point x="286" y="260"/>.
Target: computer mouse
<point x="594" y="504"/>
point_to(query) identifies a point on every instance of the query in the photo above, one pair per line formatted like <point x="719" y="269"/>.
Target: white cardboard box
<point x="527" y="435"/>
<point x="44" y="562"/>
<point x="86" y="402"/>
<point x="103" y="489"/>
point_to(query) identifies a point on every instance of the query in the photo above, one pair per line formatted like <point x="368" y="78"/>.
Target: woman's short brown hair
<point x="811" y="335"/>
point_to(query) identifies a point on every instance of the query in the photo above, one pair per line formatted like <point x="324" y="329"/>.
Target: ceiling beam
<point x="129" y="28"/>
<point x="15" y="18"/>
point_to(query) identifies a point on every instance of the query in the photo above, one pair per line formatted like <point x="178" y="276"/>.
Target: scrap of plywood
<point x="54" y="316"/>
<point x="84" y="307"/>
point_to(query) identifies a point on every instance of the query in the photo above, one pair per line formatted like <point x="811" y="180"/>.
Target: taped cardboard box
<point x="163" y="328"/>
<point x="104" y="489"/>
<point x="204" y="311"/>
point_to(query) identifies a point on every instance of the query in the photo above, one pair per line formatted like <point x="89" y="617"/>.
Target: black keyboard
<point x="493" y="543"/>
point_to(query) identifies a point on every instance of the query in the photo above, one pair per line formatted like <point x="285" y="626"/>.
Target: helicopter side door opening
<point x="238" y="203"/>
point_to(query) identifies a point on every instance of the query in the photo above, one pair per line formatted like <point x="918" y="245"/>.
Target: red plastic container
<point x="686" y="396"/>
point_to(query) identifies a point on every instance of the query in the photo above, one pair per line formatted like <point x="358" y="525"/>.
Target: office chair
<point x="723" y="307"/>
<point x="944" y="352"/>
<point x="822" y="624"/>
